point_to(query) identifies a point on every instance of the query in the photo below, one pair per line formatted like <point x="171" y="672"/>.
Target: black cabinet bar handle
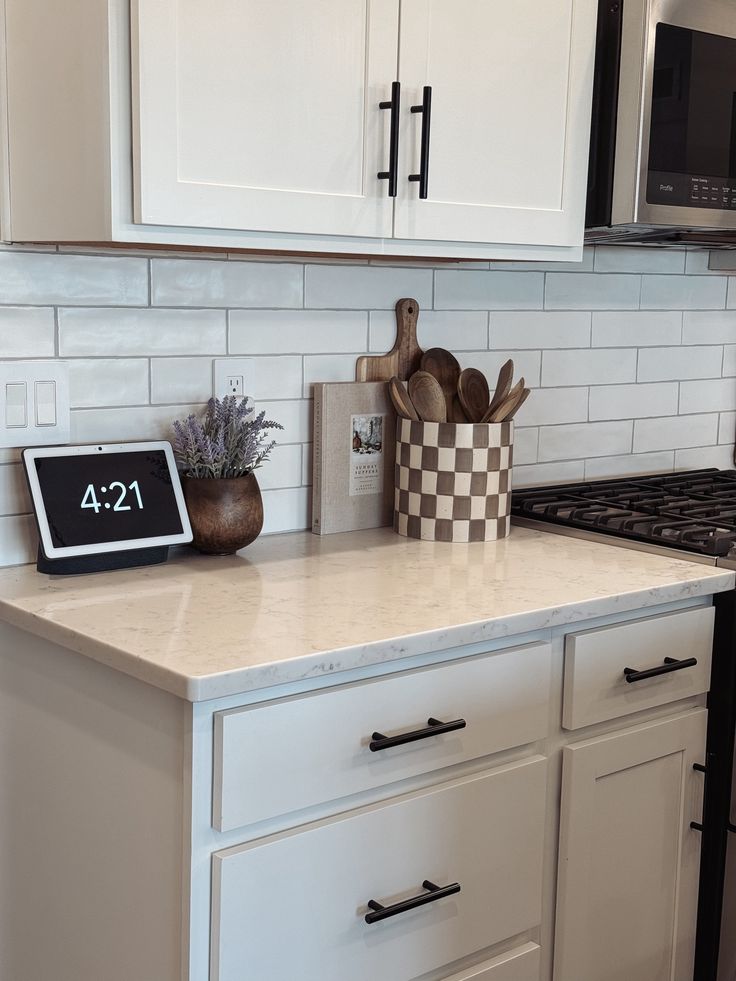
<point x="434" y="728"/>
<point x="426" y="110"/>
<point x="392" y="174"/>
<point x="379" y="912"/>
<point x="670" y="664"/>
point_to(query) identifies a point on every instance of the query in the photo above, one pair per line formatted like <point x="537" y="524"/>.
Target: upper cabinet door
<point x="263" y="114"/>
<point x="510" y="119"/>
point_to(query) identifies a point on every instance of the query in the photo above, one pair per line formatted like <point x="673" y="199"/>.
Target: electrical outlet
<point x="232" y="376"/>
<point x="234" y="385"/>
<point x="34" y="403"/>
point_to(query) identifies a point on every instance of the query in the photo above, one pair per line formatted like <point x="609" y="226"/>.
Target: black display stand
<point x="102" y="562"/>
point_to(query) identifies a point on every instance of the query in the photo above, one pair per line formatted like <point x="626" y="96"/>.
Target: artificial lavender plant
<point x="229" y="441"/>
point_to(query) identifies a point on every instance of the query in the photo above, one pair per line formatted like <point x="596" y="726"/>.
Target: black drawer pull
<point x="392" y="174"/>
<point x="426" y="110"/>
<point x="670" y="664"/>
<point x="434" y="728"/>
<point x="434" y="893"/>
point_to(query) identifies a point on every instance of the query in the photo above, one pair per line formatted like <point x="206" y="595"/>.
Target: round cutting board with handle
<point x="404" y="357"/>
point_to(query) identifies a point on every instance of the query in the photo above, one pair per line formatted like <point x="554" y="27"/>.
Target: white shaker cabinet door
<point x="510" y="119"/>
<point x="629" y="860"/>
<point x="263" y="114"/>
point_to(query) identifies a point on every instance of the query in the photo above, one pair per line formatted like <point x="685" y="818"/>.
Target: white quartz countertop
<point x="299" y="606"/>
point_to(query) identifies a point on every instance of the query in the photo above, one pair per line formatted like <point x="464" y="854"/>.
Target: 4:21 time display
<point x="116" y="488"/>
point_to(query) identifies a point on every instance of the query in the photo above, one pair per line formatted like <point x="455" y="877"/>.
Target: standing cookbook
<point x="354" y="455"/>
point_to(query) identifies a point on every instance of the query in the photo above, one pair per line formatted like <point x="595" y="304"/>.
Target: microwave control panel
<point x="688" y="191"/>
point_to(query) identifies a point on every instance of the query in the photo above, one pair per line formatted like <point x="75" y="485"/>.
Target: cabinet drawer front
<point x="596" y="688"/>
<point x="294" y="905"/>
<point x="519" y="964"/>
<point x="319" y="744"/>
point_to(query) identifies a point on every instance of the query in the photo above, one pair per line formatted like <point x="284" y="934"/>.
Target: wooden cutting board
<point x="403" y="358"/>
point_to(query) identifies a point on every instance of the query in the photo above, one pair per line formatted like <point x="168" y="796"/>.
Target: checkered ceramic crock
<point x="453" y="480"/>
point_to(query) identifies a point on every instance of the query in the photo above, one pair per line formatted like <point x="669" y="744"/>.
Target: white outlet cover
<point x="224" y="368"/>
<point x="30" y="374"/>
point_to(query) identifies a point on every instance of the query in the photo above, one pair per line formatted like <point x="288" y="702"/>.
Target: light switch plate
<point x="34" y="403"/>
<point x="232" y="376"/>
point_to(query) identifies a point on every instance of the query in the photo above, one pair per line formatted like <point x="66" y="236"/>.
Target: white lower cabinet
<point x="294" y="905"/>
<point x="629" y="860"/>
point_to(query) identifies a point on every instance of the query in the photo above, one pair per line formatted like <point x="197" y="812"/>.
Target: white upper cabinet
<point x="258" y="124"/>
<point x="508" y="133"/>
<point x="264" y="114"/>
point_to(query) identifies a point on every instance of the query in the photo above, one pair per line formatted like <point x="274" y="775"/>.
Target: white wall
<point x="632" y="354"/>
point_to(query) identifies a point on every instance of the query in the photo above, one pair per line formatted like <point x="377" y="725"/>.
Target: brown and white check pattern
<point x="453" y="481"/>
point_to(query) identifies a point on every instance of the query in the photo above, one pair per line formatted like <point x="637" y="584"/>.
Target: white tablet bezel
<point x="52" y="551"/>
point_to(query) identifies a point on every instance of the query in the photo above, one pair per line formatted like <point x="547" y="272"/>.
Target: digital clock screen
<point x="114" y="497"/>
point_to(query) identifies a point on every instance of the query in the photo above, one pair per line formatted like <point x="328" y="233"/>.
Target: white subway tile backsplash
<point x="125" y="333"/>
<point x="727" y="427"/>
<point x="675" y="363"/>
<point x="591" y="291"/>
<point x="634" y="328"/>
<point x="709" y="327"/>
<point x="584" y="440"/>
<point x="614" y="376"/>
<point x="546" y="329"/>
<point x="548" y="473"/>
<point x="27" y="332"/>
<point x="713" y="395"/>
<point x="704" y="456"/>
<point x="18" y="540"/>
<point x="327" y="368"/>
<point x="113" y="425"/>
<point x="43" y="279"/>
<point x="683" y="292"/>
<point x="181" y="380"/>
<point x="641" y="259"/>
<point x="297" y="331"/>
<point x="364" y="287"/>
<point x="588" y="367"/>
<point x="526" y="365"/>
<point x="549" y="406"/>
<point x="633" y="401"/>
<point x="223" y="283"/>
<point x="456" y="330"/>
<point x="675" y="432"/>
<point x="465" y="289"/>
<point x="629" y="465"/>
<point x="14" y="497"/>
<point x="283" y="468"/>
<point x="107" y="382"/>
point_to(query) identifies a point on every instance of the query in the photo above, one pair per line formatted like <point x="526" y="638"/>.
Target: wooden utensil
<point x="428" y="397"/>
<point x="509" y="403"/>
<point x="404" y="357"/>
<point x="445" y="368"/>
<point x="401" y="399"/>
<point x="503" y="386"/>
<point x="519" y="402"/>
<point x="472" y="390"/>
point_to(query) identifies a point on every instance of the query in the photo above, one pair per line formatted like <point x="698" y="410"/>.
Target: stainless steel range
<point x="690" y="515"/>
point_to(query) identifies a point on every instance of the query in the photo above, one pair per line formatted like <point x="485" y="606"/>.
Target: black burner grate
<point x="695" y="511"/>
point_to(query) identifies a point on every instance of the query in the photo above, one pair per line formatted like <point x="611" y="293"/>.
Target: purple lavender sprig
<point x="228" y="441"/>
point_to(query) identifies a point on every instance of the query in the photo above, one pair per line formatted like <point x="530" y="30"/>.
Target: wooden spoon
<point x="503" y="385"/>
<point x="519" y="402"/>
<point x="445" y="368"/>
<point x="402" y="402"/>
<point x="508" y="405"/>
<point x="472" y="390"/>
<point x="427" y="397"/>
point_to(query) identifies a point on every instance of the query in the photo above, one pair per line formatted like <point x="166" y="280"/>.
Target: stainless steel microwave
<point x="663" y="143"/>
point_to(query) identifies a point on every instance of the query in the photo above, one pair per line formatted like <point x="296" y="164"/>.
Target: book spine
<point x="317" y="461"/>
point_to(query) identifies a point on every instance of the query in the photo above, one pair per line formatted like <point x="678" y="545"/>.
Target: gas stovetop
<point x="692" y="512"/>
